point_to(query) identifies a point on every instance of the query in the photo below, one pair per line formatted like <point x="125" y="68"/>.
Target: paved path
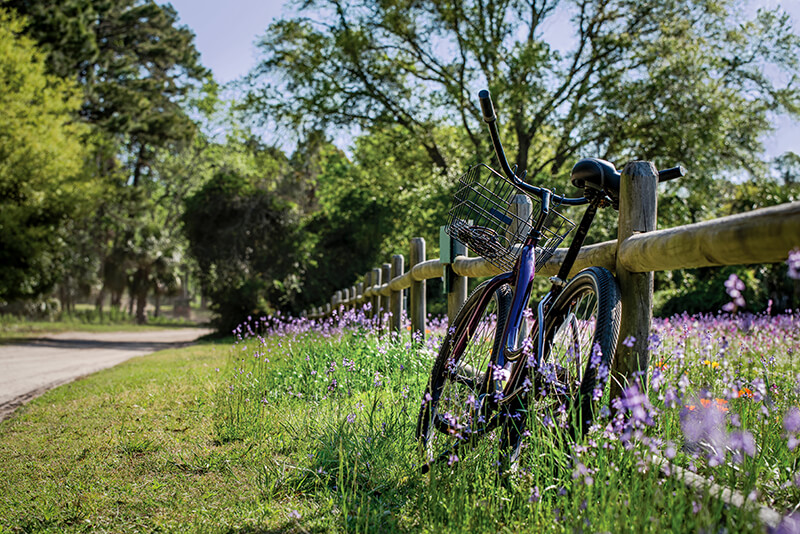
<point x="30" y="368"/>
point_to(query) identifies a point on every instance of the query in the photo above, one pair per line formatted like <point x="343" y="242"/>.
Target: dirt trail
<point x="29" y="368"/>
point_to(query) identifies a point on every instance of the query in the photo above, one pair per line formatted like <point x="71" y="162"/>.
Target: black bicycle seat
<point x="598" y="174"/>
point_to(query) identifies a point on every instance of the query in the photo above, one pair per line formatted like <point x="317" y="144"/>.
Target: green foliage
<point x="686" y="82"/>
<point x="678" y="82"/>
<point x="134" y="63"/>
<point x="244" y="240"/>
<point x="42" y="151"/>
<point x="137" y="68"/>
<point x="333" y="406"/>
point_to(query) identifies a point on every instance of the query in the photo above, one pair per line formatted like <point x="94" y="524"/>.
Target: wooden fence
<point x="761" y="236"/>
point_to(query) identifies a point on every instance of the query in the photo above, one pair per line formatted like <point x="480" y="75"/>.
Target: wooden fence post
<point x="637" y="214"/>
<point x="459" y="284"/>
<point x="353" y="298"/>
<point x="359" y="293"/>
<point x="522" y="207"/>
<point x="376" y="298"/>
<point x="396" y="299"/>
<point x="367" y="287"/>
<point x="386" y="277"/>
<point x="417" y="303"/>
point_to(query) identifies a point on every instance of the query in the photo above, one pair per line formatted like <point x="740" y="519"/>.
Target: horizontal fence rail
<point x="765" y="235"/>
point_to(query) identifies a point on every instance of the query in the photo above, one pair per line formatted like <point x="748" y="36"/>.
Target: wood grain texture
<point x="396" y="296"/>
<point x="764" y="235"/>
<point x="637" y="213"/>
<point x="417" y="302"/>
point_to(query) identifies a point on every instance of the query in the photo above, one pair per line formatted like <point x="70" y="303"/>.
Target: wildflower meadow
<point x="331" y="407"/>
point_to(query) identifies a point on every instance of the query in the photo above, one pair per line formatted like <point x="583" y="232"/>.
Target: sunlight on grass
<point x="303" y="426"/>
<point x="333" y="408"/>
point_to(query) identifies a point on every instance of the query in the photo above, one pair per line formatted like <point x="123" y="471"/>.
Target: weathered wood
<point x="425" y="270"/>
<point x="599" y="254"/>
<point x="417" y="304"/>
<point x="376" y="297"/>
<point x="764" y="235"/>
<point x="474" y="267"/>
<point x="367" y="293"/>
<point x="386" y="275"/>
<point x="457" y="295"/>
<point x="396" y="297"/>
<point x="767" y="516"/>
<point x="637" y="213"/>
<point x="521" y="206"/>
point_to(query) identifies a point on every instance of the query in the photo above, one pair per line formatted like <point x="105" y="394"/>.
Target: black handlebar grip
<point x="486" y="106"/>
<point x="671" y="174"/>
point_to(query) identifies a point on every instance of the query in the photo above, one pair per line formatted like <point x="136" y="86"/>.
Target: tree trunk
<point x="140" y="289"/>
<point x="116" y="299"/>
<point x="99" y="300"/>
<point x="139" y="165"/>
<point x="524" y="147"/>
<point x="157" y="297"/>
<point x="131" y="299"/>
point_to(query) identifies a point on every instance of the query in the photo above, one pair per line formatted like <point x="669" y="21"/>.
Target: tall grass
<point x="331" y="409"/>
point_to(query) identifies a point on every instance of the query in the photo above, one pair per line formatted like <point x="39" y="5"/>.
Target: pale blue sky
<point x="226" y="32"/>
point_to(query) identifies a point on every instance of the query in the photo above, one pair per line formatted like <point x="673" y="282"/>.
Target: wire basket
<point x="493" y="217"/>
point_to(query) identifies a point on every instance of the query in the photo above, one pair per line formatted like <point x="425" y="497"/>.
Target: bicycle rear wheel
<point x="581" y="330"/>
<point x="454" y="410"/>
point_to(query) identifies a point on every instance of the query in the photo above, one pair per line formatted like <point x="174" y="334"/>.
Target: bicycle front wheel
<point x="455" y="410"/>
<point x="581" y="329"/>
<point x="581" y="333"/>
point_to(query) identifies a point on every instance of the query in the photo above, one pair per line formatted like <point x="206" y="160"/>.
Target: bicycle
<point x="486" y="374"/>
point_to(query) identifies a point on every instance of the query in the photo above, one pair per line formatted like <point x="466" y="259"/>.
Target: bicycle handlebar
<point x="486" y="106"/>
<point x="671" y="174"/>
<point x="489" y="116"/>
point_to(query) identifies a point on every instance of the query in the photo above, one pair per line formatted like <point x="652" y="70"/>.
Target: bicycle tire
<point x="459" y="382"/>
<point x="588" y="310"/>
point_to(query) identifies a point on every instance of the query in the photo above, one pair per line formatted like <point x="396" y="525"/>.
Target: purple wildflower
<point x="788" y="525"/>
<point x="706" y="425"/>
<point x="581" y="471"/>
<point x="629" y="341"/>
<point x="791" y="422"/>
<point x="794" y="264"/>
<point x="742" y="442"/>
<point x="734" y="287"/>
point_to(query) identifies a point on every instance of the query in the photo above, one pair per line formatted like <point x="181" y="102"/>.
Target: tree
<point x="135" y="63"/>
<point x="41" y="164"/>
<point x="243" y="237"/>
<point x="677" y="81"/>
<point x="138" y="69"/>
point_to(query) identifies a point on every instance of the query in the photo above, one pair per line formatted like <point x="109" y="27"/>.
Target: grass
<point x="312" y="430"/>
<point x="129" y="449"/>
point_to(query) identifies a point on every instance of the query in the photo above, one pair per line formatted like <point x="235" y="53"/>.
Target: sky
<point x="226" y="33"/>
